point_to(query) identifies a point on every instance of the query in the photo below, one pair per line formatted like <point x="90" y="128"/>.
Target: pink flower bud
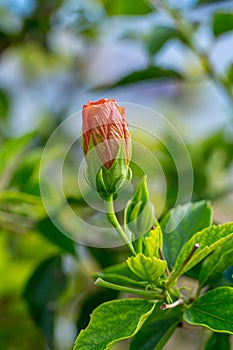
<point x="106" y="123"/>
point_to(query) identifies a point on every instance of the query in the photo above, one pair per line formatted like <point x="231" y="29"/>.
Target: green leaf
<point x="216" y="263"/>
<point x="180" y="224"/>
<point x="150" y="73"/>
<point x="41" y="293"/>
<point x="222" y="23"/>
<point x="10" y="157"/>
<point x="154" y="331"/>
<point x="130" y="7"/>
<point x="114" y="321"/>
<point x="158" y="37"/>
<point x="213" y="310"/>
<point x="147" y="268"/>
<point x="230" y="73"/>
<point x="91" y="302"/>
<point x="4" y="104"/>
<point x="53" y="234"/>
<point x="208" y="239"/>
<point x="153" y="242"/>
<point x="122" y="275"/>
<point x="208" y="1"/>
<point x="122" y="280"/>
<point x="218" y="341"/>
<point x="155" y="335"/>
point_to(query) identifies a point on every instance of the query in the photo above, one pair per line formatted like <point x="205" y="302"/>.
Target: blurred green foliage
<point x="47" y="49"/>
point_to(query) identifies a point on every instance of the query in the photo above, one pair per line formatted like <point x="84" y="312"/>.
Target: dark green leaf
<point x="216" y="263"/>
<point x="218" y="341"/>
<point x="104" y="256"/>
<point x="4" y="104"/>
<point x="228" y="275"/>
<point x="114" y="321"/>
<point x="130" y="7"/>
<point x="150" y="331"/>
<point x="208" y="239"/>
<point x="151" y="73"/>
<point x="53" y="234"/>
<point x="230" y="73"/>
<point x="155" y="335"/>
<point x="158" y="37"/>
<point x="185" y="221"/>
<point x="208" y="1"/>
<point x="147" y="74"/>
<point x="222" y="23"/>
<point x="213" y="310"/>
<point x="91" y="302"/>
<point x="42" y="292"/>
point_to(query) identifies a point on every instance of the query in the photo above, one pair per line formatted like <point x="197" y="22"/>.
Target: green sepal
<point x="139" y="212"/>
<point x="93" y="164"/>
<point x="107" y="181"/>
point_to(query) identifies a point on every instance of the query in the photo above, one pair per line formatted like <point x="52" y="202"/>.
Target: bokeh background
<point x="174" y="57"/>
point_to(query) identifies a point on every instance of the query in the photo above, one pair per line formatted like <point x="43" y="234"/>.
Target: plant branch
<point x="187" y="30"/>
<point x="162" y="257"/>
<point x="165" y="306"/>
<point x="156" y="293"/>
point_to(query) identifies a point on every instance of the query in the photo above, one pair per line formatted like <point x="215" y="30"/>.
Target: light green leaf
<point x="213" y="310"/>
<point x="153" y="242"/>
<point x="180" y="224"/>
<point x="147" y="268"/>
<point x="154" y="336"/>
<point x="218" y="341"/>
<point x="114" y="321"/>
<point x="122" y="280"/>
<point x="216" y="263"/>
<point x="122" y="275"/>
<point x="222" y="23"/>
<point x="208" y="239"/>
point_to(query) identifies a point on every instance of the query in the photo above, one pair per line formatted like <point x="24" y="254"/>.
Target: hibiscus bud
<point x="106" y="145"/>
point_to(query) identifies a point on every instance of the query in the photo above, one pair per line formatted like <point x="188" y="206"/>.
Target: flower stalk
<point x="110" y="212"/>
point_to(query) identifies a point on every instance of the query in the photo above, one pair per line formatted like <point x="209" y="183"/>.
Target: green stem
<point x="110" y="212"/>
<point x="157" y="293"/>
